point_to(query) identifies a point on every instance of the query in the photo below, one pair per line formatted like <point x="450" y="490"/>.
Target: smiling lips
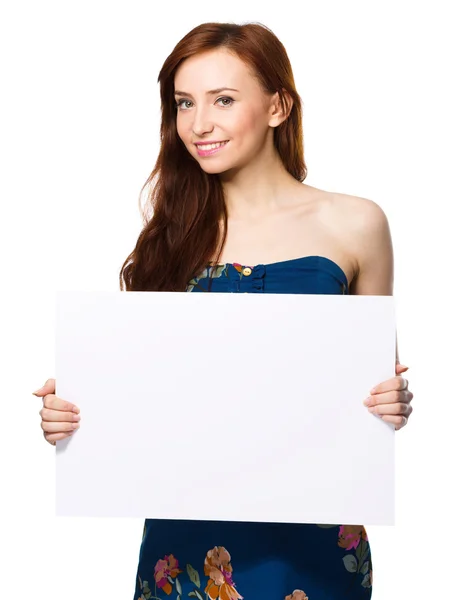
<point x="208" y="149"/>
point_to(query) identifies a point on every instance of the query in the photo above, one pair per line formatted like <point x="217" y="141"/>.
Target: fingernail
<point x="367" y="401"/>
<point x="76" y="409"/>
<point x="37" y="391"/>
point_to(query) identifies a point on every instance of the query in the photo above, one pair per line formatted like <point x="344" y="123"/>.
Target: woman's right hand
<point x="59" y="417"/>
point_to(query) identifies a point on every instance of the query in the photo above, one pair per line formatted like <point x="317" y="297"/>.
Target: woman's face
<point x="207" y="112"/>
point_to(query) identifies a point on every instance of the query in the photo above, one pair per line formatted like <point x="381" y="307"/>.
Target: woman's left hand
<point x="390" y="400"/>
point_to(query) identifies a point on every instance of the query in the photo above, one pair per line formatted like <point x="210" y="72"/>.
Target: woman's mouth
<point x="209" y="149"/>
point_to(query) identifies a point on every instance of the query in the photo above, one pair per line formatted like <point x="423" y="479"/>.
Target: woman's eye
<point x="181" y="102"/>
<point x="225" y="101"/>
<point x="226" y="98"/>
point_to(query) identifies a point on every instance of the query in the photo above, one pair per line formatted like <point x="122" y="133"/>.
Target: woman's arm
<point x="373" y="250"/>
<point x="373" y="253"/>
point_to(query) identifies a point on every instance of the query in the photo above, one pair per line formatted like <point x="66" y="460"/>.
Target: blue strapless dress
<point x="211" y="560"/>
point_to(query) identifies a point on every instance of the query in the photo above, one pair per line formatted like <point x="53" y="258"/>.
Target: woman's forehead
<point x="212" y="70"/>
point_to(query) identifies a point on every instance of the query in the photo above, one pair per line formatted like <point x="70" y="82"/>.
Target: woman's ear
<point x="278" y="113"/>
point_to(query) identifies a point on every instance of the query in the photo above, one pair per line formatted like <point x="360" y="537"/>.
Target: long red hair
<point x="185" y="218"/>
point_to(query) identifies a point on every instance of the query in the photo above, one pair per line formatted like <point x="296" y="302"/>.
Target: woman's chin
<point x="214" y="169"/>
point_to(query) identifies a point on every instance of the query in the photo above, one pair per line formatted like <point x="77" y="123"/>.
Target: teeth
<point x="212" y="146"/>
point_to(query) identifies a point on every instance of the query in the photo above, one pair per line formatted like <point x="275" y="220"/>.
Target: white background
<point x="384" y="90"/>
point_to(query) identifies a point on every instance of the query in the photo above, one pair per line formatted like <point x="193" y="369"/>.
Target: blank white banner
<point x="240" y="407"/>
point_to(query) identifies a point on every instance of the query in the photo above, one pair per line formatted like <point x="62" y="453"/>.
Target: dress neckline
<point x="286" y="262"/>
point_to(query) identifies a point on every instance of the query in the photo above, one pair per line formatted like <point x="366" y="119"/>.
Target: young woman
<point x="230" y="214"/>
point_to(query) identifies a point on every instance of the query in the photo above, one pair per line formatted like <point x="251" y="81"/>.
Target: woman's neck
<point x="253" y="191"/>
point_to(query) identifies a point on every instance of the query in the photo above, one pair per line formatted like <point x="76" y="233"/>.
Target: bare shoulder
<point x="360" y="215"/>
<point x="363" y="227"/>
<point x="355" y="211"/>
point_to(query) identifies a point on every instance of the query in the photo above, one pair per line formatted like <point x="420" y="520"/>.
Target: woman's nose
<point x="201" y="123"/>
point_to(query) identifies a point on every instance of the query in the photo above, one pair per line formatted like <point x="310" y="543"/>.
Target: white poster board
<point x="240" y="407"/>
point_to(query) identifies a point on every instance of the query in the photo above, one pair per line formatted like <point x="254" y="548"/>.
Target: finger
<point x="47" y="388"/>
<point x="55" y="403"/>
<point x="395" y="383"/>
<point x="58" y="426"/>
<point x="389" y="409"/>
<point x="392" y="397"/>
<point x="385" y="398"/>
<point x="58" y="415"/>
<point x="399" y="421"/>
<point x="400" y="368"/>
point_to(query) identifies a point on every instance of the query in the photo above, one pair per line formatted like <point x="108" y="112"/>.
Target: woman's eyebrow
<point x="209" y="93"/>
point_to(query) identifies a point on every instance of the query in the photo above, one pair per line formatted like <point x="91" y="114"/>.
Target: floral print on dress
<point x="217" y="568"/>
<point x="165" y="572"/>
<point x="219" y="572"/>
<point x="354" y="537"/>
<point x="215" y="271"/>
<point x="297" y="595"/>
